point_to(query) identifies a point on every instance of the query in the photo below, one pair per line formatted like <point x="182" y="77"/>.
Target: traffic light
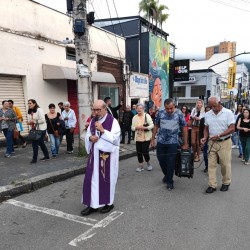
<point x="91" y="18"/>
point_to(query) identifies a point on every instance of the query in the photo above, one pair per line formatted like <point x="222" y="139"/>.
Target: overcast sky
<point x="193" y="25"/>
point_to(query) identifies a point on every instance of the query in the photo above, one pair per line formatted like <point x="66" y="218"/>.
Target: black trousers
<point x="69" y="139"/>
<point x="20" y="137"/>
<point x="142" y="149"/>
<point x="124" y="130"/>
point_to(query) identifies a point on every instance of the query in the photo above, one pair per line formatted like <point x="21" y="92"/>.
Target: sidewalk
<point x="19" y="176"/>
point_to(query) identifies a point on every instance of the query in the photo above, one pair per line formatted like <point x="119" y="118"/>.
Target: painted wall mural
<point x="158" y="71"/>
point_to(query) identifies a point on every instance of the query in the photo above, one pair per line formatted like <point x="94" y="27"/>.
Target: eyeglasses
<point x="97" y="110"/>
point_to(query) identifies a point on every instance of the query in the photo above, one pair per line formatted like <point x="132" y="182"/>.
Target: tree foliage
<point x="154" y="11"/>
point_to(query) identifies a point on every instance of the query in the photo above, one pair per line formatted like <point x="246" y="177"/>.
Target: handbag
<point x="56" y="132"/>
<point x="35" y="134"/>
<point x="19" y="126"/>
<point x="145" y="122"/>
<point x="15" y="133"/>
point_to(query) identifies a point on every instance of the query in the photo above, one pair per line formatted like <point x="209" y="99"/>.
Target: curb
<point x="34" y="183"/>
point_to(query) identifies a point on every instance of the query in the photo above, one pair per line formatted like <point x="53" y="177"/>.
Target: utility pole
<point x="84" y="85"/>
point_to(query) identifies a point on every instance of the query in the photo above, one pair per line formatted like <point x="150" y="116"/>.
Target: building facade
<point x="36" y="64"/>
<point x="147" y="52"/>
<point x="222" y="47"/>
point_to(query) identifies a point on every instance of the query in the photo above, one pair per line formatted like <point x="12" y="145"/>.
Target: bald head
<point x="99" y="108"/>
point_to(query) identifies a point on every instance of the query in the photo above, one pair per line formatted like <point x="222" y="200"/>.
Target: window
<point x="179" y="91"/>
<point x="197" y="91"/>
<point x="70" y="53"/>
<point x="112" y="92"/>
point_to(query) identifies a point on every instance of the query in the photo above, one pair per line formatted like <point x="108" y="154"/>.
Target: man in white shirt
<point x="219" y="125"/>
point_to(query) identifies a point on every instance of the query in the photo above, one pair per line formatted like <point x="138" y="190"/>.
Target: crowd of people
<point x="52" y="124"/>
<point x="204" y="128"/>
<point x="212" y="129"/>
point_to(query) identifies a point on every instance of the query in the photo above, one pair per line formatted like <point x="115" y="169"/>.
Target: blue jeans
<point x="42" y="145"/>
<point x="9" y="140"/>
<point x="54" y="144"/>
<point x="166" y="155"/>
<point x="234" y="138"/>
<point x="205" y="148"/>
<point x="239" y="144"/>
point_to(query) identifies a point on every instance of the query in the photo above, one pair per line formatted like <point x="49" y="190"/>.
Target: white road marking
<point x="92" y="231"/>
<point x="53" y="212"/>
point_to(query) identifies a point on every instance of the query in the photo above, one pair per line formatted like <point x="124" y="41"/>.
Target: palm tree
<point x="153" y="11"/>
<point x="150" y="8"/>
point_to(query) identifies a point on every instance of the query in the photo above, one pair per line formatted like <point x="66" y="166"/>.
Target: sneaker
<point x="15" y="146"/>
<point x="243" y="160"/>
<point x="7" y="155"/>
<point x="70" y="152"/>
<point x="44" y="159"/>
<point x="170" y="186"/>
<point x="150" y="168"/>
<point x="33" y="161"/>
<point x="234" y="146"/>
<point x="139" y="169"/>
<point x="53" y="156"/>
<point x="247" y="163"/>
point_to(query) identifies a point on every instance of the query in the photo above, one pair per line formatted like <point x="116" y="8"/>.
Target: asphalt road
<point x="146" y="215"/>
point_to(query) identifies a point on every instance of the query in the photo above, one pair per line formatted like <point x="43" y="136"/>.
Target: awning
<point x="51" y="72"/>
<point x="102" y="77"/>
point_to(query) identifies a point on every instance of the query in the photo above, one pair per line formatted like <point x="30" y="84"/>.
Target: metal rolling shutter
<point x="11" y="87"/>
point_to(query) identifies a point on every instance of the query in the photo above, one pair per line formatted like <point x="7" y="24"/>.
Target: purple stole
<point x="104" y="168"/>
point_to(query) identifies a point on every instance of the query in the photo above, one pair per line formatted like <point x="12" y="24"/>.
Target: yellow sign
<point x="231" y="76"/>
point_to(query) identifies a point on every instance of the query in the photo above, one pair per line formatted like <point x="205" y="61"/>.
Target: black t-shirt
<point x="244" y="125"/>
<point x="52" y="122"/>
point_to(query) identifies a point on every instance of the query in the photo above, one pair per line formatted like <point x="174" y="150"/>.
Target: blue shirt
<point x="169" y="126"/>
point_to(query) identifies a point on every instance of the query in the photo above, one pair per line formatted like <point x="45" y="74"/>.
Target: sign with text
<point x="231" y="76"/>
<point x="139" y="86"/>
<point x="181" y="70"/>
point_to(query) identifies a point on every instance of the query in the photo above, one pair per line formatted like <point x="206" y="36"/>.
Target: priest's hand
<point x="99" y="127"/>
<point x="93" y="138"/>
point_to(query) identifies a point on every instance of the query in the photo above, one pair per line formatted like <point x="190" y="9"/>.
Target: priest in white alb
<point x="102" y="143"/>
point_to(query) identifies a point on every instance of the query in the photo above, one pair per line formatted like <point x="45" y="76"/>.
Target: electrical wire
<point x="113" y="29"/>
<point x="228" y="5"/>
<point x="130" y="58"/>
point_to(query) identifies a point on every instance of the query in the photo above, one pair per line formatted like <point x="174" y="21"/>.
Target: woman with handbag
<point x="7" y="126"/>
<point x="142" y="124"/>
<point x="68" y="115"/>
<point x="53" y="124"/>
<point x="37" y="123"/>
